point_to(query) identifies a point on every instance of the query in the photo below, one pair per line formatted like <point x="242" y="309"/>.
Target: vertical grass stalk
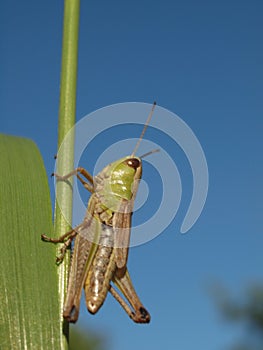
<point x="67" y="116"/>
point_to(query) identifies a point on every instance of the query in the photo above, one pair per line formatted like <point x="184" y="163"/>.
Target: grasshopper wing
<point x="122" y="230"/>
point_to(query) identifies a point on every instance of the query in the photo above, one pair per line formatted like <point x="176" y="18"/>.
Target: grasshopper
<point x="101" y="241"/>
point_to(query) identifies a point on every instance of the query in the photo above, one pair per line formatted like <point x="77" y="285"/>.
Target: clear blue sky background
<point x="199" y="59"/>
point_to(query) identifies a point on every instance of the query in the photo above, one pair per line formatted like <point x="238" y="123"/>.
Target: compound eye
<point x="133" y="163"/>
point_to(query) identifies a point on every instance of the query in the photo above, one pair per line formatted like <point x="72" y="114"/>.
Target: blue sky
<point x="200" y="60"/>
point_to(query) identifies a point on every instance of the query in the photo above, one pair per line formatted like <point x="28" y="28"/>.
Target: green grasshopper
<point x="102" y="240"/>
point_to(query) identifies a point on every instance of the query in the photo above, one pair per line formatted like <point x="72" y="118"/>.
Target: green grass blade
<point x="29" y="311"/>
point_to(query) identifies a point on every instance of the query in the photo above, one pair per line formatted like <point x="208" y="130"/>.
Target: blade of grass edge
<point x="29" y="312"/>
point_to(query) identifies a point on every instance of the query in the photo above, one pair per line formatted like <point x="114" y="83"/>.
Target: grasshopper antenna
<point x="144" y="129"/>
<point x="148" y="153"/>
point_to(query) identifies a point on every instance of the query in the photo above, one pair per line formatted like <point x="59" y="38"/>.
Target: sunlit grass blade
<point x="29" y="311"/>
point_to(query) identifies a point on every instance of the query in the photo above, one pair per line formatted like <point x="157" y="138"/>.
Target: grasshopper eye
<point x="133" y="163"/>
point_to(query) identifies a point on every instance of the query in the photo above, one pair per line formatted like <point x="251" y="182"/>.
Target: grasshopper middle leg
<point x="66" y="239"/>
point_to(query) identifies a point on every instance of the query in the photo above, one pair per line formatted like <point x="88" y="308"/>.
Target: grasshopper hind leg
<point x="137" y="311"/>
<point x="71" y="315"/>
<point x="139" y="315"/>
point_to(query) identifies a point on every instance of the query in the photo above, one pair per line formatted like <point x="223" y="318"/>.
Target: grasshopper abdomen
<point x="101" y="271"/>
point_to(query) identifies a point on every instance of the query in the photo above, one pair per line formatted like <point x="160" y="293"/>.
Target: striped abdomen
<point x="101" y="271"/>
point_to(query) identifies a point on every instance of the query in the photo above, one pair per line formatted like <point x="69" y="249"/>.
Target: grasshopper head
<point x="124" y="175"/>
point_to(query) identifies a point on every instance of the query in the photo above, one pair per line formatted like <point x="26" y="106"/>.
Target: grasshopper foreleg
<point x="88" y="185"/>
